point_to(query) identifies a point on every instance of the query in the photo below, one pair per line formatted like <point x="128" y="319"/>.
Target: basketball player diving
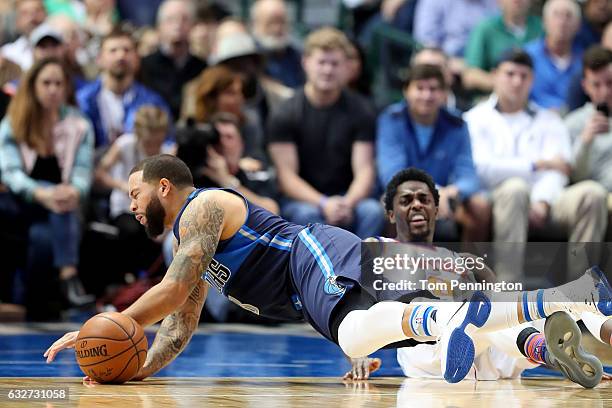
<point x="274" y="268"/>
<point x="500" y="354"/>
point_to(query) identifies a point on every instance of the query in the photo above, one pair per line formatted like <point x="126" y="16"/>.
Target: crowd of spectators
<point x="506" y="103"/>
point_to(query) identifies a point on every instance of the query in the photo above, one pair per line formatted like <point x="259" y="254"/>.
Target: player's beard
<point x="155" y="214"/>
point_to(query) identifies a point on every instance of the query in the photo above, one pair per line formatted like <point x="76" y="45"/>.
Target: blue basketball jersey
<point x="252" y="268"/>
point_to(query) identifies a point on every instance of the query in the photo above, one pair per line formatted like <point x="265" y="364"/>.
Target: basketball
<point x="111" y="348"/>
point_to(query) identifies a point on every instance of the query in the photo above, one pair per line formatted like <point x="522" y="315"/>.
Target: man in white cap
<point x="47" y="42"/>
<point x="236" y="48"/>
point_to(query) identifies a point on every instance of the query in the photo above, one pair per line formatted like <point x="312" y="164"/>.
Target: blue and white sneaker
<point x="456" y="345"/>
<point x="604" y="291"/>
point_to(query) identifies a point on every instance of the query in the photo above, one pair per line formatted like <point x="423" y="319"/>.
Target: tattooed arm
<point x="211" y="216"/>
<point x="200" y="228"/>
<point x="175" y="332"/>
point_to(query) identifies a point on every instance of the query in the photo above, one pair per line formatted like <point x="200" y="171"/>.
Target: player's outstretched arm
<point x="200" y="229"/>
<point x="175" y="332"/>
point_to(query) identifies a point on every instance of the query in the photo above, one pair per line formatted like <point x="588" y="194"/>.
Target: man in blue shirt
<point x="557" y="56"/>
<point x="420" y="132"/>
<point x="447" y="24"/>
<point x="111" y="101"/>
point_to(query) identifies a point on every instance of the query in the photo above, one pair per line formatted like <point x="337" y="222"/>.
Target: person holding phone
<point x="589" y="126"/>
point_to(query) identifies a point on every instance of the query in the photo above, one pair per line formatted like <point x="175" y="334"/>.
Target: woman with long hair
<point x="46" y="160"/>
<point x="219" y="89"/>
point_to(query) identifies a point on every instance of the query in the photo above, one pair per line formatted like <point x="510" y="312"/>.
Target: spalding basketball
<point x="111" y="347"/>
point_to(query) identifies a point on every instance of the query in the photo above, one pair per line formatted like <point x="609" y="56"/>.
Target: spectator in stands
<point x="219" y="89"/>
<point x="29" y="15"/>
<point x="522" y="154"/>
<point x="447" y="25"/>
<point x="366" y="17"/>
<point x="358" y="78"/>
<point x="556" y="56"/>
<point x="202" y="36"/>
<point x="9" y="76"/>
<point x="590" y="127"/>
<point x="168" y="69"/>
<point x="321" y="141"/>
<point x="75" y="57"/>
<point x="515" y="27"/>
<point x="150" y="131"/>
<point x="47" y="43"/>
<point x="138" y="12"/>
<point x="236" y="49"/>
<point x="596" y="15"/>
<point x="576" y="96"/>
<point x="419" y="132"/>
<point x="46" y="161"/>
<point x="148" y="41"/>
<point x="111" y="101"/>
<point x="457" y="99"/>
<point x="271" y="29"/>
<point x="224" y="165"/>
<point x="101" y="17"/>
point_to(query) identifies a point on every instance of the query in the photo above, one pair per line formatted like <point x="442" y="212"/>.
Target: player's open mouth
<point x="417" y="220"/>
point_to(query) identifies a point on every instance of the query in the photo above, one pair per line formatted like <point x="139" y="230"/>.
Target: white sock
<point x="421" y="321"/>
<point x="594" y="322"/>
<point x="362" y="332"/>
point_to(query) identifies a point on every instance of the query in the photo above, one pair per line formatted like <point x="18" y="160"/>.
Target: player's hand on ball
<point x="67" y="341"/>
<point x="362" y="368"/>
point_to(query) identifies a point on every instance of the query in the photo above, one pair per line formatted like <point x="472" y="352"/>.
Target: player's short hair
<point x="167" y="166"/>
<point x="425" y="71"/>
<point x="596" y="58"/>
<point x="327" y="39"/>
<point x="409" y="174"/>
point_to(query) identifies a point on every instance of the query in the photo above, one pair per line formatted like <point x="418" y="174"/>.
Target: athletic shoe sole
<point x="563" y="339"/>
<point x="460" y="347"/>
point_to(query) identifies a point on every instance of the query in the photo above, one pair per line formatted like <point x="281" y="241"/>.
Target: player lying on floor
<point x="503" y="354"/>
<point x="274" y="268"/>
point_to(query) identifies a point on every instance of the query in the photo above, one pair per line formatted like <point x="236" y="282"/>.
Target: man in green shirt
<point x="489" y="39"/>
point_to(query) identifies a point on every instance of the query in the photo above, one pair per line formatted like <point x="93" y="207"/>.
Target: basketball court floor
<point x="287" y="366"/>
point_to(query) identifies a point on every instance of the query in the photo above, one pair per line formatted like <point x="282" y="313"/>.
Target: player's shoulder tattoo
<point x="199" y="229"/>
<point x="203" y="216"/>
